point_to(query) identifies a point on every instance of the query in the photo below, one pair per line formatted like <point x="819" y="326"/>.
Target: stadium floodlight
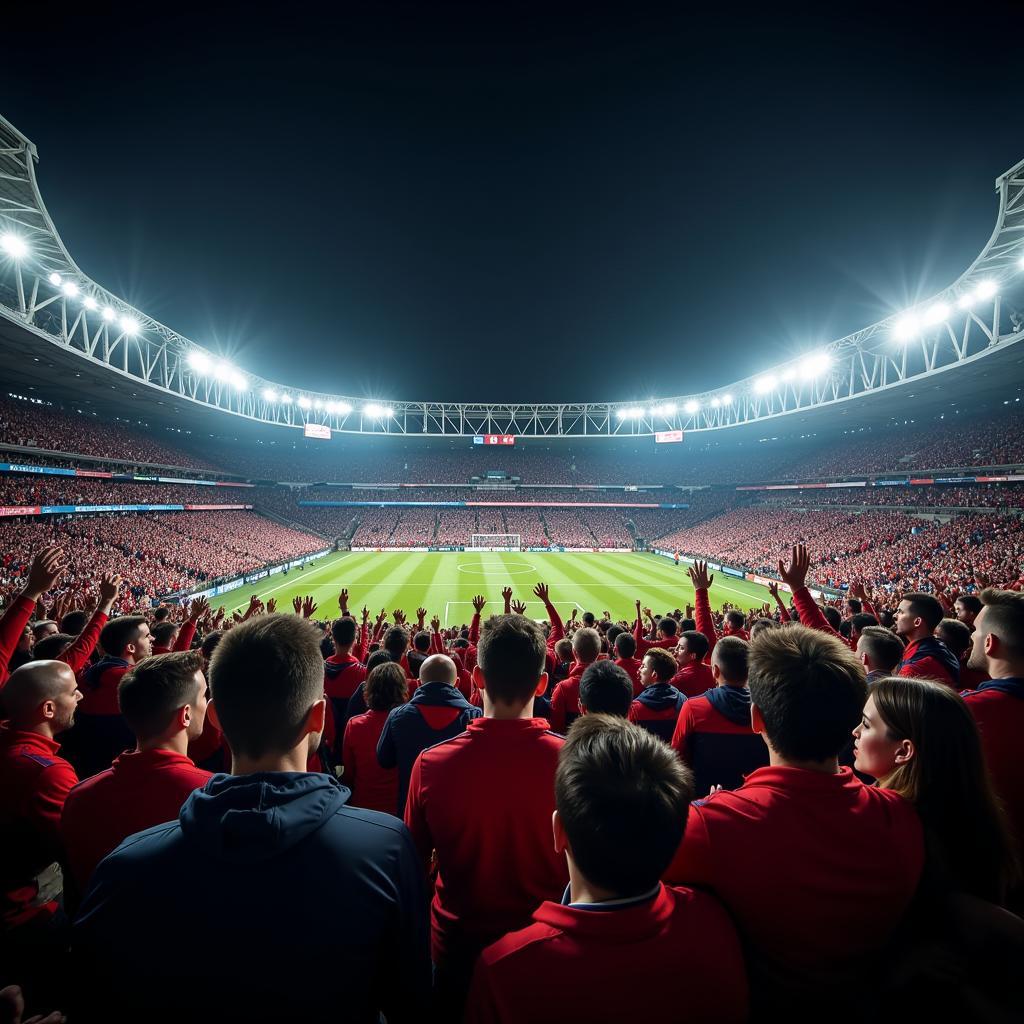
<point x="70" y="289"/>
<point x="14" y="245"/>
<point x="667" y="409"/>
<point x="387" y="412"/>
<point x="622" y="413"/>
<point x="304" y="402"/>
<point x="715" y="402"/>
<point x="908" y="326"/>
<point x="937" y="314"/>
<point x="54" y="279"/>
<point x="286" y="399"/>
<point x="815" y="365"/>
<point x="198" y="360"/>
<point x="89" y="302"/>
<point x="237" y="381"/>
<point x="342" y="408"/>
<point x="691" y="407"/>
<point x="269" y="395"/>
<point x="764" y="384"/>
<point x="985" y="290"/>
<point x="788" y="374"/>
<point x="108" y="313"/>
<point x="130" y="325"/>
<point x="726" y="399"/>
<point x="965" y="301"/>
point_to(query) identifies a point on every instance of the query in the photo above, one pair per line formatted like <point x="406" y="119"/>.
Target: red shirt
<point x="483" y="800"/>
<point x="998" y="708"/>
<point x="569" y="965"/>
<point x="631" y="666"/>
<point x="139" y="790"/>
<point x="694" y="680"/>
<point x="565" y="700"/>
<point x="837" y="863"/>
<point x="372" y="787"/>
<point x="34" y="782"/>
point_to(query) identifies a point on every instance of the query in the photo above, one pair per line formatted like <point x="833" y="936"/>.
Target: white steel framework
<point x="44" y="292"/>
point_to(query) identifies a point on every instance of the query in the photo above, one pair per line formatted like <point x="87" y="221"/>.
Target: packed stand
<point x="29" y="490"/>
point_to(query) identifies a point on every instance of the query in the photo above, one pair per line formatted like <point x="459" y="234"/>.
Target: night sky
<point x="503" y="202"/>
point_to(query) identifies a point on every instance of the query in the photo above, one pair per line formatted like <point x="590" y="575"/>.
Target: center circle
<point x="480" y="568"/>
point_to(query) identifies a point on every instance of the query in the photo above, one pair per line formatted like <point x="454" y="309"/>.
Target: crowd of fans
<point x="29" y="490"/>
<point x="924" y="496"/>
<point x="155" y="553"/>
<point x="768" y="809"/>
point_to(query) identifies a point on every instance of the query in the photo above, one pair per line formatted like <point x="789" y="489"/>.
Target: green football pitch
<point x="445" y="582"/>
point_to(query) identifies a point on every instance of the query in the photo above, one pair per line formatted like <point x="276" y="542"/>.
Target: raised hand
<point x="271" y="605"/>
<point x="382" y="617"/>
<point x="308" y="607"/>
<point x="519" y="607"/>
<point x="698" y="573"/>
<point x="435" y="624"/>
<point x="198" y="608"/>
<point x="857" y="590"/>
<point x="110" y="583"/>
<point x="795" y="574"/>
<point x="649" y="614"/>
<point x="421" y="614"/>
<point x="297" y="605"/>
<point x="47" y="567"/>
<point x="343" y="601"/>
<point x="366" y="615"/>
<point x="478" y="603"/>
<point x="399" y="616"/>
<point x="541" y="591"/>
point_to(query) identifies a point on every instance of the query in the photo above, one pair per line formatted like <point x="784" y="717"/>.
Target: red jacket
<point x="814" y="618"/>
<point x="683" y="939"/>
<point x="643" y="645"/>
<point x="13" y="623"/>
<point x="184" y="642"/>
<point x="844" y="861"/>
<point x="137" y="791"/>
<point x="483" y="801"/>
<point x="694" y="679"/>
<point x="34" y="782"/>
<point x="631" y="666"/>
<point x="372" y="787"/>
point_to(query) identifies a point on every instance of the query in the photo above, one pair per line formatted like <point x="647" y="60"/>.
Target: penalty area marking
<point x="480" y="568"/>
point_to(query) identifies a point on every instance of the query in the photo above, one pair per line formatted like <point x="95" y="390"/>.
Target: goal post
<point x="495" y="542"/>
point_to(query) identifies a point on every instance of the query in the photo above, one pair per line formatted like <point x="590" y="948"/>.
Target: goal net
<point x="495" y="542"/>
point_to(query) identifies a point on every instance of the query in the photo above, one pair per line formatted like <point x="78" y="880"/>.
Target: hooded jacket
<point x="317" y="909"/>
<point x="657" y="708"/>
<point x="930" y="658"/>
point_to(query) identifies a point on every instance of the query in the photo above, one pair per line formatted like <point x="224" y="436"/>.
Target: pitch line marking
<point x="315" y="586"/>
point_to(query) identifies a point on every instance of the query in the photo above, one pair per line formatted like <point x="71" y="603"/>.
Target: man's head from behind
<point x="41" y="696"/>
<point x="127" y="637"/>
<point x="267" y="681"/>
<point x="807" y="690"/>
<point x="164" y="633"/>
<point x="622" y="798"/>
<point x="164" y="696"/>
<point x="586" y="645"/>
<point x="879" y="649"/>
<point x="605" y="688"/>
<point x="729" y="661"/>
<point x="510" y="660"/>
<point x="625" y="645"/>
<point x="999" y="634"/>
<point x="956" y="635"/>
<point x="343" y="633"/>
<point x="396" y="642"/>
<point x="667" y="627"/>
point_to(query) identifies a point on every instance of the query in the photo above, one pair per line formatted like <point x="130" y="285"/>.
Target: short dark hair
<point x="210" y="641"/>
<point x="52" y="647"/>
<point x="395" y="642"/>
<point x="623" y="797"/>
<point x="512" y="655"/>
<point x="160" y="613"/>
<point x="861" y="621"/>
<point x="810" y="689"/>
<point x="39" y="623"/>
<point x="343" y="631"/>
<point x="663" y="665"/>
<point x="925" y="607"/>
<point x="118" y="633"/>
<point x="588" y="618"/>
<point x="386" y="687"/>
<point x="956" y="635"/>
<point x="735" y="618"/>
<point x="162" y="632"/>
<point x="625" y="645"/>
<point x="606" y="688"/>
<point x="883" y="646"/>
<point x="378" y="658"/>
<point x="853" y="603"/>
<point x="668" y="625"/>
<point x="265" y="676"/>
<point x="685" y="624"/>
<point x="970" y="601"/>
<point x="421" y="641"/>
<point x="613" y="633"/>
<point x="731" y="653"/>
<point x="74" y="621"/>
<point x="151" y="693"/>
<point x="1004" y="616"/>
<point x="696" y="643"/>
<point x="835" y="620"/>
<point x="760" y="625"/>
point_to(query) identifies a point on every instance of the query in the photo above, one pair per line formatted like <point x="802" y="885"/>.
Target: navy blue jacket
<point x="657" y="708"/>
<point x="268" y="899"/>
<point x="435" y="712"/>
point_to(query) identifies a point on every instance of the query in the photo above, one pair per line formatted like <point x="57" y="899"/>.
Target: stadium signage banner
<point x="802" y="487"/>
<point x="318" y="430"/>
<point x="19" y="510"/>
<point x="48" y="510"/>
<point x="668" y="436"/>
<point x="494" y="439"/>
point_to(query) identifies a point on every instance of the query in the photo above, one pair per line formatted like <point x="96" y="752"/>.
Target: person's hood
<point x="659" y="697"/>
<point x="251" y="818"/>
<point x="731" y="701"/>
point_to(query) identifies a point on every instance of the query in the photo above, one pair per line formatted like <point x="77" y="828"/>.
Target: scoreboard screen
<point x="317" y="430"/>
<point x="494" y="439"/>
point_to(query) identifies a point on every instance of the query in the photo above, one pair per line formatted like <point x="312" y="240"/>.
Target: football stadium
<point x="678" y="702"/>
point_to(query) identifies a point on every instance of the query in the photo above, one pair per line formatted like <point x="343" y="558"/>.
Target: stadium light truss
<point x="45" y="293"/>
